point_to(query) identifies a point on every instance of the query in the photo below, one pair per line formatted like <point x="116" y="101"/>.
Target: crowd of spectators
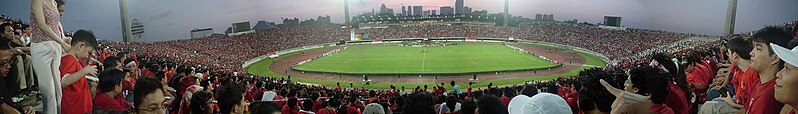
<point x="748" y="73"/>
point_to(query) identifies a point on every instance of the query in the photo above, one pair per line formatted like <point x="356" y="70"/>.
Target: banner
<point x="272" y="55"/>
<point x="376" y="40"/>
<point x="471" y="38"/>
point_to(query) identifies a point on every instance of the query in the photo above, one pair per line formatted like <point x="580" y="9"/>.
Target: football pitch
<point x="378" y="59"/>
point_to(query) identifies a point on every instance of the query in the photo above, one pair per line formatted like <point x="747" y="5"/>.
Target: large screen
<point x="240" y="27"/>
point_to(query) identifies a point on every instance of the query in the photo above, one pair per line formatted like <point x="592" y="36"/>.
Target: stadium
<point x="398" y="57"/>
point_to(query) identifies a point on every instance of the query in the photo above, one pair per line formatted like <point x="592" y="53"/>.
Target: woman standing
<point x="46" y="49"/>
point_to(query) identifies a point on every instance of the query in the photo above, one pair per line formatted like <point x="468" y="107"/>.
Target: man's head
<point x="6" y="31"/>
<point x="5" y="60"/>
<point x="592" y="95"/>
<point x="83" y="44"/>
<point x="265" y="107"/>
<point x="111" y="81"/>
<point x="648" y="81"/>
<point x="762" y="55"/>
<point x="232" y="100"/>
<point x="148" y="96"/>
<point x="739" y="49"/>
<point x="201" y="103"/>
<point x="452" y="83"/>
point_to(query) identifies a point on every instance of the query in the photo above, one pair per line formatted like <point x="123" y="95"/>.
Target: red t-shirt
<point x="746" y="82"/>
<point x="573" y="101"/>
<point x="763" y="101"/>
<point x="505" y="101"/>
<point x="325" y="111"/>
<point x="317" y="106"/>
<point x="104" y="102"/>
<point x="699" y="78"/>
<point x="77" y="97"/>
<point x="676" y="99"/>
<point x="352" y="110"/>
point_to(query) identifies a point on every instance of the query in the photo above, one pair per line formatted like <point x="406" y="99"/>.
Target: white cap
<point x="546" y="103"/>
<point x="787" y="55"/>
<point x="517" y="104"/>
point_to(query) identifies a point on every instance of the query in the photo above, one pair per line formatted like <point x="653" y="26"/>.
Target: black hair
<point x="509" y="92"/>
<point x="160" y="75"/>
<point x="264" y="107"/>
<point x="3" y="28"/>
<point x="109" y="79"/>
<point x="110" y="62"/>
<point x="740" y="46"/>
<point x="145" y="85"/>
<point x="451" y="102"/>
<point x="772" y="34"/>
<point x="452" y="83"/>
<point x="60" y="2"/>
<point x="205" y="84"/>
<point x="229" y="96"/>
<point x="86" y="37"/>
<point x="530" y="91"/>
<point x="199" y="101"/>
<point x="292" y="102"/>
<point x="419" y="103"/>
<point x="650" y="81"/>
<point x="468" y="107"/>
<point x="307" y="104"/>
<point x="593" y="95"/>
<point x="490" y="104"/>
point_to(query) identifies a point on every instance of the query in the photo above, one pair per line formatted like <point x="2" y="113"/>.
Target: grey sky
<point x="173" y="19"/>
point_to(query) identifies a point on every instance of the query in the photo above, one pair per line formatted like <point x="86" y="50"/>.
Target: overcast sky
<point x="173" y="19"/>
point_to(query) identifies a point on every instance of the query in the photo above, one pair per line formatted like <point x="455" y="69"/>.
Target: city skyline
<point x="169" y="20"/>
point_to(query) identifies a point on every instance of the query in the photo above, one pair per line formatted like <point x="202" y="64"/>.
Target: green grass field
<point x="375" y="59"/>
<point x="261" y="68"/>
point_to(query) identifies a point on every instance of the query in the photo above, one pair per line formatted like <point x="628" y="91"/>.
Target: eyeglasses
<point x="7" y="62"/>
<point x="155" y="110"/>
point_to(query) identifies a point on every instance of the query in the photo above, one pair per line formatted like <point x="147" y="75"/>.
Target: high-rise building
<point x="459" y="7"/>
<point x="383" y="9"/>
<point x="434" y="12"/>
<point x="418" y="10"/>
<point x="445" y="10"/>
<point x="466" y="10"/>
<point x="404" y="11"/>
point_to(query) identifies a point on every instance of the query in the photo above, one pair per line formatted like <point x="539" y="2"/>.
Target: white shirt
<point x="268" y="96"/>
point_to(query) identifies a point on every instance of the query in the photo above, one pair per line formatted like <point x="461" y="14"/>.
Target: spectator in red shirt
<point x="786" y="87"/>
<point x="110" y="98"/>
<point x="677" y="99"/>
<point x="767" y="64"/>
<point x="75" y="87"/>
<point x="329" y="108"/>
<point x="291" y="107"/>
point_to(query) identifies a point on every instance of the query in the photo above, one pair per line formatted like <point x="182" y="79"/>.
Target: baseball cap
<point x="787" y="55"/>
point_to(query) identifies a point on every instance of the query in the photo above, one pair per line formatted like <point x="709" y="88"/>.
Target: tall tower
<point x="346" y="13"/>
<point x="458" y="7"/>
<point x="731" y="14"/>
<point x="506" y="13"/>
<point x="127" y="35"/>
